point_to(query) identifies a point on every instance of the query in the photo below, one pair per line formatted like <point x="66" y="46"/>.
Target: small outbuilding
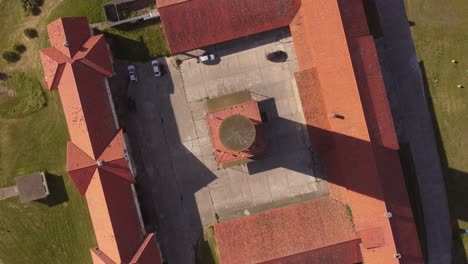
<point x="32" y="187"/>
<point x="235" y="128"/>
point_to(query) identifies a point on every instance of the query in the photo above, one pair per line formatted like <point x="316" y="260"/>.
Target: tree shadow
<point x="57" y="191"/>
<point x="456" y="182"/>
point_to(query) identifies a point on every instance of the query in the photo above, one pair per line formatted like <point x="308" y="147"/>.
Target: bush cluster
<point x="30" y="33"/>
<point x="11" y="56"/>
<point x="32" y="6"/>
<point x="19" y="47"/>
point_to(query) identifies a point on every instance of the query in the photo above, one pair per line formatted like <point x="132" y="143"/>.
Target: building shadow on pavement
<point x="168" y="199"/>
<point x="169" y="188"/>
<point x="456" y="183"/>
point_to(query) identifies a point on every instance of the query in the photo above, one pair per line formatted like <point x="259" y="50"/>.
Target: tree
<point x="19" y="47"/>
<point x="32" y="6"/>
<point x="30" y="33"/>
<point x="11" y="56"/>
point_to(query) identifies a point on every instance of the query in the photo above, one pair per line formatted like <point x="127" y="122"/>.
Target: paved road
<point x="406" y="91"/>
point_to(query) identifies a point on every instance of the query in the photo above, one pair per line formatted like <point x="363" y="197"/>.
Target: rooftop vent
<point x="66" y="44"/>
<point x="100" y="163"/>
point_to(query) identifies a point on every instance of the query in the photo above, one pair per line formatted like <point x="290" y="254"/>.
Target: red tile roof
<point x="358" y="153"/>
<point x="96" y="158"/>
<point x="81" y="167"/>
<point x="346" y="253"/>
<point x="287" y="231"/>
<point x="69" y="34"/>
<point x="147" y="253"/>
<point x="196" y="23"/>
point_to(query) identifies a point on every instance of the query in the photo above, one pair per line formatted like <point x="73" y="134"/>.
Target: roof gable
<point x="94" y="53"/>
<point x="53" y="64"/>
<point x="81" y="166"/>
<point x="68" y="34"/>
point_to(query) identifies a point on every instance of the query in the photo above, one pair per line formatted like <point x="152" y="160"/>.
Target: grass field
<point x="29" y="96"/>
<point x="34" y="232"/>
<point x="33" y="139"/>
<point x="90" y="8"/>
<point x="139" y="42"/>
<point x="440" y="32"/>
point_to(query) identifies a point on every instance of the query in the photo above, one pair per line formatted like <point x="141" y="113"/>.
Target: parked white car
<point x="132" y="73"/>
<point x="156" y="68"/>
<point x="206" y="58"/>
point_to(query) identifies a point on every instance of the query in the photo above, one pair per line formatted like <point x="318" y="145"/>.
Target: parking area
<point x="181" y="186"/>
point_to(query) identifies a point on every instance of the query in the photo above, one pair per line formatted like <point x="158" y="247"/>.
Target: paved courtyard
<point x="180" y="183"/>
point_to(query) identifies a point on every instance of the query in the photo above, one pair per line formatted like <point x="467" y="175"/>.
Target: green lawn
<point x="15" y="13"/>
<point x="440" y="33"/>
<point x="33" y="137"/>
<point x="139" y="42"/>
<point x="34" y="232"/>
<point x="90" y="8"/>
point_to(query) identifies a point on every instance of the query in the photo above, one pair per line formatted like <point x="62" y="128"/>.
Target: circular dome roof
<point x="237" y="133"/>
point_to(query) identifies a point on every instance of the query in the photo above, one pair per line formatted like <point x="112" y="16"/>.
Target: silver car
<point x="156" y="68"/>
<point x="132" y="73"/>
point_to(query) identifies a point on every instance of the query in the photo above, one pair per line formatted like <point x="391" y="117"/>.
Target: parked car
<point x="132" y="73"/>
<point x="206" y="58"/>
<point x="156" y="68"/>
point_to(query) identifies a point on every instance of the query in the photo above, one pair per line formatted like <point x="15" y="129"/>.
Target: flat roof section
<point x="32" y="187"/>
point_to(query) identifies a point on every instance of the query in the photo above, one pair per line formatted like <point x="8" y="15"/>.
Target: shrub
<point x="11" y="56"/>
<point x="30" y="33"/>
<point x="3" y="76"/>
<point x="19" y="47"/>
<point x="32" y="6"/>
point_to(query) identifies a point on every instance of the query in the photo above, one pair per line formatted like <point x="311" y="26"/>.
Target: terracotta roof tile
<point x="79" y="73"/>
<point x="77" y="158"/>
<point x="283" y="232"/>
<point x="127" y="230"/>
<point x="148" y="251"/>
<point x="115" y="148"/>
<point x="350" y="155"/>
<point x="193" y="24"/>
<point x="101" y="219"/>
<point x="73" y="30"/>
<point x="53" y="64"/>
<point x="94" y="53"/>
<point x="100" y="257"/>
<point x="82" y="178"/>
<point x="345" y="253"/>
